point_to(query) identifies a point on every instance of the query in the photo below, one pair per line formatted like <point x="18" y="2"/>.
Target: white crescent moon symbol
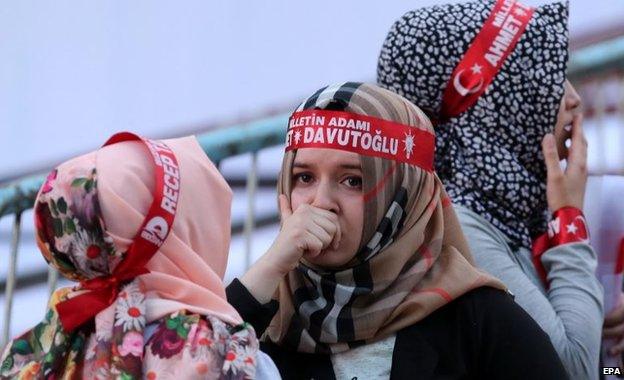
<point x="463" y="91"/>
<point x="584" y="226"/>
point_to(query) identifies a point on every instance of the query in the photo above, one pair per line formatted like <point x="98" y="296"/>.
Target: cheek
<point x="297" y="198"/>
<point x="353" y="210"/>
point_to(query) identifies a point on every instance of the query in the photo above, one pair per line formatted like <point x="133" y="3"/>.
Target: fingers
<point x="320" y="233"/>
<point x="577" y="128"/>
<point x="312" y="245"/>
<point x="577" y="158"/>
<point x="616" y="331"/>
<point x="322" y="224"/>
<point x="326" y="219"/>
<point x="615" y="317"/>
<point x="617" y="348"/>
<point x="285" y="209"/>
<point x="551" y="158"/>
<point x="325" y="213"/>
<point x="561" y="136"/>
<point x="332" y="226"/>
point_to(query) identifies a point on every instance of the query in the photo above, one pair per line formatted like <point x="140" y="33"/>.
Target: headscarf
<point x="413" y="258"/>
<point x="489" y="157"/>
<point x="87" y="214"/>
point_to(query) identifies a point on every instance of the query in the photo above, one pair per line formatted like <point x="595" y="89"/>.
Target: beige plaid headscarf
<point x="413" y="256"/>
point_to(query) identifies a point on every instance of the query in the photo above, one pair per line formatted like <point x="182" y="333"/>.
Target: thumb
<point x="551" y="157"/>
<point x="285" y="210"/>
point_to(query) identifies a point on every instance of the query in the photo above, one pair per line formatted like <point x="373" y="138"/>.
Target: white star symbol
<point x="572" y="228"/>
<point x="297" y="137"/>
<point x="520" y="12"/>
<point x="476" y="68"/>
<point x="409" y="144"/>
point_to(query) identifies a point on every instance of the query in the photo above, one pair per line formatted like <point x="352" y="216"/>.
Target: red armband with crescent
<point x="567" y="226"/>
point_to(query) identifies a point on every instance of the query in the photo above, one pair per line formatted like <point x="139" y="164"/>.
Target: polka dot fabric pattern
<point x="489" y="157"/>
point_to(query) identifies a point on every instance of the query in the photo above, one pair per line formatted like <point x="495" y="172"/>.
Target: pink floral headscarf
<point x="87" y="214"/>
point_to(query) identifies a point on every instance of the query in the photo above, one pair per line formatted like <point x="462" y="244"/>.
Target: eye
<point x="302" y="177"/>
<point x="353" y="182"/>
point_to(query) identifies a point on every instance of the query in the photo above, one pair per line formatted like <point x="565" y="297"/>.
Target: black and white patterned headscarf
<point x="489" y="157"/>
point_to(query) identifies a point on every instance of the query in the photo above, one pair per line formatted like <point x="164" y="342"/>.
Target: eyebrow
<point x="351" y="166"/>
<point x="303" y="165"/>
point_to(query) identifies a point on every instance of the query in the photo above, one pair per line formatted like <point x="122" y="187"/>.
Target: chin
<point x="330" y="259"/>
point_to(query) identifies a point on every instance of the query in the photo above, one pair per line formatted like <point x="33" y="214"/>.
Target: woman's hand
<point x="566" y="188"/>
<point x="306" y="231"/>
<point x="614" y="328"/>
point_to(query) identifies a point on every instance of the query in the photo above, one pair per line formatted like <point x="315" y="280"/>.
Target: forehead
<point x="326" y="158"/>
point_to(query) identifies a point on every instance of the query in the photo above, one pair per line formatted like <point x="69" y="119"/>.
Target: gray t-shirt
<point x="570" y="311"/>
<point x="371" y="361"/>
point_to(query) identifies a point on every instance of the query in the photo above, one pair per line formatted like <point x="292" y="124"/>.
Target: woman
<point x="500" y="107"/>
<point x="146" y="232"/>
<point x="370" y="275"/>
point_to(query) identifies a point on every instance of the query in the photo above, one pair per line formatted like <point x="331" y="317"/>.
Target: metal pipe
<point x="10" y="281"/>
<point x="252" y="184"/>
<point x="52" y="280"/>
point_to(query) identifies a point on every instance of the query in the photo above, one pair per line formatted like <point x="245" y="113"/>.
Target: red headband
<point x="361" y="134"/>
<point x="152" y="234"/>
<point x="485" y="56"/>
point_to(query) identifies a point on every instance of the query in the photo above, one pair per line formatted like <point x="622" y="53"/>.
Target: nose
<point x="325" y="197"/>
<point x="572" y="98"/>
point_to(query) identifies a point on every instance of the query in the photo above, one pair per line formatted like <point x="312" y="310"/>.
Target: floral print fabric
<point x="182" y="346"/>
<point x="70" y="231"/>
<point x="72" y="237"/>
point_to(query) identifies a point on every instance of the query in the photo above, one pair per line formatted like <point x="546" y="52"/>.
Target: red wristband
<point x="567" y="226"/>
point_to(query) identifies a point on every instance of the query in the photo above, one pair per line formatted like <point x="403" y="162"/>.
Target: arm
<point x="576" y="296"/>
<point x="306" y="231"/>
<point x="568" y="189"/>
<point x="570" y="312"/>
<point x="252" y="311"/>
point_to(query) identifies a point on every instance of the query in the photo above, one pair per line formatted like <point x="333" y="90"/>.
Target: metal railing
<point x="586" y="65"/>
